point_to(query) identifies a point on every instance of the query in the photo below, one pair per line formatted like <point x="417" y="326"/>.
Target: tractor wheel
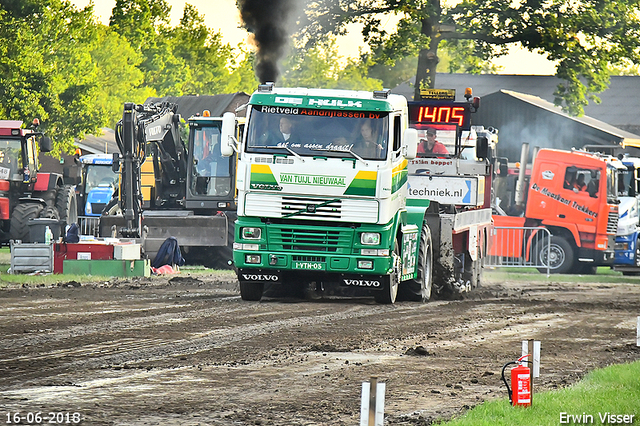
<point x="112" y="208"/>
<point x="419" y="289"/>
<point x="50" y="213"/>
<point x="67" y="205"/>
<point x="20" y="220"/>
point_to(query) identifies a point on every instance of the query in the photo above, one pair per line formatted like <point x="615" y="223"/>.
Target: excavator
<point x="169" y="188"/>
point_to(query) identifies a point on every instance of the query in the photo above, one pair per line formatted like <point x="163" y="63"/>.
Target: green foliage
<point x="585" y="38"/>
<point x="120" y="80"/>
<point x="320" y="66"/>
<point x="47" y="70"/>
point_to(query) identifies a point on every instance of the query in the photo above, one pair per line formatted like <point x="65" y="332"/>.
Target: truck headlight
<point x="87" y="208"/>
<point x="370" y="238"/>
<point x="251" y="233"/>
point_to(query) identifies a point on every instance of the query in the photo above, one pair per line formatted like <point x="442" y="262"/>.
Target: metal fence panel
<point x="89" y="225"/>
<point x="519" y="247"/>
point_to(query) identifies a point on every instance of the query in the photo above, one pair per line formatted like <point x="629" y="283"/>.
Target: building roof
<point x="619" y="107"/>
<point x="217" y="105"/>
<point x="187" y="106"/>
<point x="105" y="143"/>
<point x="625" y="138"/>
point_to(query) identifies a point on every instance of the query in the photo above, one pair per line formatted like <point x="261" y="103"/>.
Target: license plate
<point x="312" y="266"/>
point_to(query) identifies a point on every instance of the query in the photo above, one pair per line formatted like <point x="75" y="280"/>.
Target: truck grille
<point x="96" y="208"/>
<point x="612" y="223"/>
<point x="305" y="239"/>
<point x="342" y="209"/>
<point x="303" y="205"/>
<point x="298" y="258"/>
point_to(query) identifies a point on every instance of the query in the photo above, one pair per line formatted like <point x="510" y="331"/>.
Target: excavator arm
<point x="154" y="126"/>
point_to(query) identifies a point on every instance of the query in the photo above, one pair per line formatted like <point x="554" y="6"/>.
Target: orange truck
<point x="573" y="195"/>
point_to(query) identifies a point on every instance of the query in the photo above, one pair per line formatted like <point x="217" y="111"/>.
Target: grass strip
<point x="610" y="391"/>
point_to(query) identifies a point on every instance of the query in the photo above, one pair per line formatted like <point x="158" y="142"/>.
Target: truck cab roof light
<point x="381" y="94"/>
<point x="206" y="113"/>
<point x="266" y="87"/>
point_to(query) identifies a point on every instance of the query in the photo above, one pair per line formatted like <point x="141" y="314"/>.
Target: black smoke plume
<point x="270" y="21"/>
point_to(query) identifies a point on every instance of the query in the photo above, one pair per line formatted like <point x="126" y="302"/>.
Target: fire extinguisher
<point x="520" y="383"/>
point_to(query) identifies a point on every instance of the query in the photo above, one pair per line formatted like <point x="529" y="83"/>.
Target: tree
<point x="118" y="76"/>
<point x="320" y="66"/>
<point x="47" y="71"/>
<point x="187" y="59"/>
<point x="584" y="37"/>
<point x="203" y="52"/>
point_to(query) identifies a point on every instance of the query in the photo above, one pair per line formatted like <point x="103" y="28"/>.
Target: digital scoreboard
<point x="428" y="112"/>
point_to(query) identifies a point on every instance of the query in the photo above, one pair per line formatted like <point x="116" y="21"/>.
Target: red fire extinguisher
<point x="520" y="391"/>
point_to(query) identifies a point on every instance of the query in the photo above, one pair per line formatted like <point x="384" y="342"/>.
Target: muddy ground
<point x="185" y="350"/>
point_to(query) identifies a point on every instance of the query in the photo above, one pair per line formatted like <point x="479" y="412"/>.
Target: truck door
<point x="545" y="191"/>
<point x="581" y="189"/>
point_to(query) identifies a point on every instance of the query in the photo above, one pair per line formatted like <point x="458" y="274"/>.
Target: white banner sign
<point x="467" y="191"/>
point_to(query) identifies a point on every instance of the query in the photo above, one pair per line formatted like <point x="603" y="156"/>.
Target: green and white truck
<point x="322" y="194"/>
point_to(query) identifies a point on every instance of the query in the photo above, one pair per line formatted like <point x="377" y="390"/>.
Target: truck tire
<point x="19" y="225"/>
<point x="251" y="291"/>
<point x="419" y="289"/>
<point x="222" y="257"/>
<point x="561" y="256"/>
<point x="67" y="205"/>
<point x="390" y="283"/>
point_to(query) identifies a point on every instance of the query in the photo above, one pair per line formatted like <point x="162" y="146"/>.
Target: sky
<point x="223" y="16"/>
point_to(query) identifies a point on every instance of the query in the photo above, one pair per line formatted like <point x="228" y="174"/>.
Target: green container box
<point x="108" y="268"/>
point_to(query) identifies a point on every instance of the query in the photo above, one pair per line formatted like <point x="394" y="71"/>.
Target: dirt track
<point x="188" y="351"/>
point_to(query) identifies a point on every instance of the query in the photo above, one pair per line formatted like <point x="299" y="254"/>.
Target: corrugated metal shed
<point x="525" y="118"/>
<point x="217" y="105"/>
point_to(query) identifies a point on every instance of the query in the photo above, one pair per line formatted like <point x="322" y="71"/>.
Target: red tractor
<point x="24" y="193"/>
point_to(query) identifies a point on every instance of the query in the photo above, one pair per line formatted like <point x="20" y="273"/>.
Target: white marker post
<point x="638" y="333"/>
<point x="372" y="403"/>
<point x="532" y="347"/>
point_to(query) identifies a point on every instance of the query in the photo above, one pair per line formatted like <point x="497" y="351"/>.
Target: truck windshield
<point x="100" y="175"/>
<point x="211" y="171"/>
<point x="333" y="132"/>
<point x="10" y="157"/>
<point x="626" y="182"/>
<point x="612" y="185"/>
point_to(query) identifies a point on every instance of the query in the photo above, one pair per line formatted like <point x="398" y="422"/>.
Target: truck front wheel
<point x="251" y="291"/>
<point x="419" y="289"/>
<point x="559" y="256"/>
<point x="390" y="282"/>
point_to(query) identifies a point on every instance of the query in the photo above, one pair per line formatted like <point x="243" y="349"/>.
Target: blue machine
<point x="99" y="182"/>
<point x="627" y="259"/>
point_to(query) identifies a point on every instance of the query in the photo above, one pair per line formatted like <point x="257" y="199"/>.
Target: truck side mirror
<point x="503" y="166"/>
<point x="410" y="139"/>
<point x="228" y="139"/>
<point x="115" y="165"/>
<point x="45" y="144"/>
<point x="482" y="147"/>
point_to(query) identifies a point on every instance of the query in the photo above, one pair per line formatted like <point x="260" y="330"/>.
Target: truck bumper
<point x="625" y="249"/>
<point x="598" y="257"/>
<point x="311" y="263"/>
